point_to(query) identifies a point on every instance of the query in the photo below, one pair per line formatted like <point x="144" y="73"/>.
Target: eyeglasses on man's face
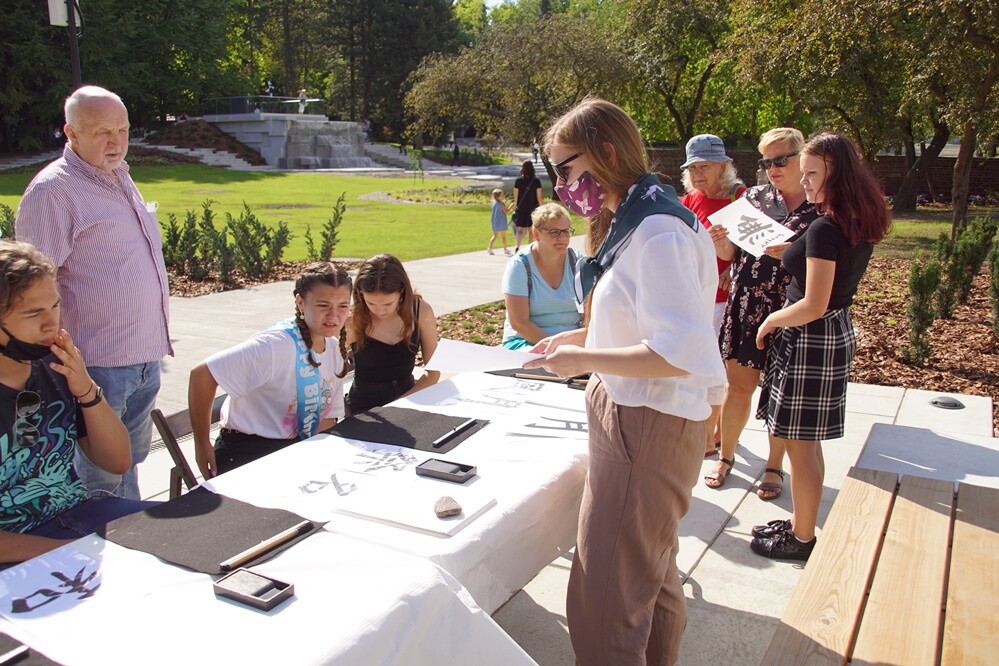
<point x="555" y="234"/>
<point x="779" y="161"/>
<point x="25" y="432"/>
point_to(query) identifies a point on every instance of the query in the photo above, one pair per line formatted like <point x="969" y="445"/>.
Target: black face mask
<point x="17" y="350"/>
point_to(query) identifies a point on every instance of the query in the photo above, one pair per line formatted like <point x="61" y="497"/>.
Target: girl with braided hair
<point x="284" y="384"/>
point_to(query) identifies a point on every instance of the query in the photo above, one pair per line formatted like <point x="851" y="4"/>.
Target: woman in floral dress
<point x="757" y="289"/>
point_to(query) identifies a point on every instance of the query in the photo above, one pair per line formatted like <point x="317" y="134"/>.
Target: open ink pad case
<point x="445" y="470"/>
<point x="253" y="589"/>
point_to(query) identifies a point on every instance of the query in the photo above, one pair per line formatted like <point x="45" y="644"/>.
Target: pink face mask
<point x="584" y="197"/>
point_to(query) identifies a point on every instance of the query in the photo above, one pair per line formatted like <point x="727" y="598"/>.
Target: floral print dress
<point x="759" y="283"/>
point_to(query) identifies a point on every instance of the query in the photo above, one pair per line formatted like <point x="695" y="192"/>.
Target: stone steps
<point x="208" y="156"/>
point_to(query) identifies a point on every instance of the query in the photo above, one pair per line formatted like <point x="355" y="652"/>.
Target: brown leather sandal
<point x="719" y="477"/>
<point x="772" y="490"/>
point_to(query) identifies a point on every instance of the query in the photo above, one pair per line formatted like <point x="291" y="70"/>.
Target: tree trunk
<point x="289" y="54"/>
<point x="905" y="198"/>
<point x="962" y="177"/>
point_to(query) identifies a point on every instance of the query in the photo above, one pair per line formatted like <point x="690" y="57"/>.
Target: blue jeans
<point x="131" y="391"/>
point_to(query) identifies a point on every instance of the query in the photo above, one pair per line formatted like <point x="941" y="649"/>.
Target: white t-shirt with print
<point x="259" y="376"/>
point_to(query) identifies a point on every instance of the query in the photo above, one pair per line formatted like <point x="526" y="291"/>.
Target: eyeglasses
<point x="26" y="404"/>
<point x="779" y="161"/>
<point x="560" y="170"/>
<point x="555" y="234"/>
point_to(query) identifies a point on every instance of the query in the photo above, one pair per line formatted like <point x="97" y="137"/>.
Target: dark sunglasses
<point x="555" y="234"/>
<point x="560" y="170"/>
<point x="26" y="404"/>
<point x="779" y="161"/>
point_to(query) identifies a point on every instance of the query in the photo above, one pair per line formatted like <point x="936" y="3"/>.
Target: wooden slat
<point x="971" y="621"/>
<point x="901" y="622"/>
<point x="819" y="622"/>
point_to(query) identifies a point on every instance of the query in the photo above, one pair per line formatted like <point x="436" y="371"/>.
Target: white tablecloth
<point x="354" y="603"/>
<point x="531" y="460"/>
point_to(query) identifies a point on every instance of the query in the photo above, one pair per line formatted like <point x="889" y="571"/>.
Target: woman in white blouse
<point x="649" y="342"/>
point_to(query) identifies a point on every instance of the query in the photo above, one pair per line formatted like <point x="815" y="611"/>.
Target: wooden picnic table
<point x="904" y="572"/>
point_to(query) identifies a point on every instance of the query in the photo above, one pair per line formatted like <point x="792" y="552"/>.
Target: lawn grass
<point x="920" y="230"/>
<point x="449" y="219"/>
<point x="370" y="226"/>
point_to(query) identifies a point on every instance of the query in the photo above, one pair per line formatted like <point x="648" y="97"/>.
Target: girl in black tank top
<point x="386" y="308"/>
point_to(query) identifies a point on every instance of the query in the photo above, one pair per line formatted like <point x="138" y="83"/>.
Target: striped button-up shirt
<point x="107" y="246"/>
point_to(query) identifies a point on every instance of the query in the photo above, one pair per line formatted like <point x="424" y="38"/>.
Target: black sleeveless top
<point x="383" y="372"/>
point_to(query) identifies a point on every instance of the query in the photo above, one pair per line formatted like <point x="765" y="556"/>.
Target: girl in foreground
<point x="651" y="346"/>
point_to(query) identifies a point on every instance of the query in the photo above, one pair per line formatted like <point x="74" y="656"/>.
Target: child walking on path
<point x="499" y="221"/>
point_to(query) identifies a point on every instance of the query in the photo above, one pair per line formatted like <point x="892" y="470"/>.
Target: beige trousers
<point x="625" y="604"/>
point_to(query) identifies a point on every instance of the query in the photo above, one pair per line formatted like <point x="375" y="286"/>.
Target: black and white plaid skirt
<point x="804" y="386"/>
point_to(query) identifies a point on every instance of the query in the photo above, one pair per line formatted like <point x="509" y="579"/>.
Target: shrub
<point x="173" y="255"/>
<point x="994" y="289"/>
<point x="216" y="251"/>
<point x="257" y="248"/>
<point x="946" y="295"/>
<point x="330" y="234"/>
<point x="924" y="279"/>
<point x="6" y="221"/>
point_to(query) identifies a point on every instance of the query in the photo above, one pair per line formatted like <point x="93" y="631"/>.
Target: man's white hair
<point x="82" y="95"/>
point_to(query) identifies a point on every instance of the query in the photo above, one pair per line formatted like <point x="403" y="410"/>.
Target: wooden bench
<point x="903" y="573"/>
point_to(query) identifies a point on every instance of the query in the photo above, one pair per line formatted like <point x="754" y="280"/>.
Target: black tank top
<point x="379" y="363"/>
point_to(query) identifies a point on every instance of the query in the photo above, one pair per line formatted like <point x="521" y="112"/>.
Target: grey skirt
<point x="804" y="388"/>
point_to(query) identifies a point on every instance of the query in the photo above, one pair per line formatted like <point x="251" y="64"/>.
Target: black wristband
<point x="97" y="398"/>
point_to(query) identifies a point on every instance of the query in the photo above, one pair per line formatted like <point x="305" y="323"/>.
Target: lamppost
<point x="64" y="12"/>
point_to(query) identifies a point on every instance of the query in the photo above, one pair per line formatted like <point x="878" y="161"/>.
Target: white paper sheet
<point x="749" y="227"/>
<point x="410" y="504"/>
<point x="456" y="356"/>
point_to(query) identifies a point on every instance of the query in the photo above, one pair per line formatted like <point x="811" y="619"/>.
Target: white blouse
<point x="661" y="292"/>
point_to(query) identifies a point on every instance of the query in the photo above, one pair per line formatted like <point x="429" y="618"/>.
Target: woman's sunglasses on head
<point x="779" y="161"/>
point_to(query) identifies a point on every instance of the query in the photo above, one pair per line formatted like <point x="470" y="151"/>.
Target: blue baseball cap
<point x="705" y="148"/>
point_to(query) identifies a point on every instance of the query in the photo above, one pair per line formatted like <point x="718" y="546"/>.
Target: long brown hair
<point x="852" y="196"/>
<point x="22" y="266"/>
<point x="382" y="274"/>
<point x="587" y="128"/>
<point x="315" y="274"/>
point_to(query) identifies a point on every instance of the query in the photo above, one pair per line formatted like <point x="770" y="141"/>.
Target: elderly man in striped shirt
<point x="85" y="213"/>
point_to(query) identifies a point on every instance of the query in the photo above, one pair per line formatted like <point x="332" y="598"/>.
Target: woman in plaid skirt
<point x="804" y="394"/>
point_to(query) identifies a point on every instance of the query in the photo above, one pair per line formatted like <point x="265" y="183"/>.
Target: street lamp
<point x="64" y="12"/>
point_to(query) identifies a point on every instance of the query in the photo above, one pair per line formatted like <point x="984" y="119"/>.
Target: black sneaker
<point x="784" y="546"/>
<point x="771" y="529"/>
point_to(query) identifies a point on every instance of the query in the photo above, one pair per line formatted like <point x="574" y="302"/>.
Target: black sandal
<point x="719" y="477"/>
<point x="768" y="487"/>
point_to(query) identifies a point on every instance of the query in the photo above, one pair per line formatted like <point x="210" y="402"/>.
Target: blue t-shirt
<point x="38" y="482"/>
<point x="551" y="310"/>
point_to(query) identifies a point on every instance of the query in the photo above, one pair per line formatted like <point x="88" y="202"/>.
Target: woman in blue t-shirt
<point x="803" y="398"/>
<point x="49" y="405"/>
<point x="538" y="284"/>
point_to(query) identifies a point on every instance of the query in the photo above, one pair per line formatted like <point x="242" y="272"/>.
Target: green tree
<point x="378" y="43"/>
<point x="495" y="89"/>
<point x="674" y="48"/>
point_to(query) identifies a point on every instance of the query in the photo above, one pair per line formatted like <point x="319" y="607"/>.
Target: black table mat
<point x="33" y="658"/>
<point x="201" y="529"/>
<point x="534" y="372"/>
<point x="410" y="428"/>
